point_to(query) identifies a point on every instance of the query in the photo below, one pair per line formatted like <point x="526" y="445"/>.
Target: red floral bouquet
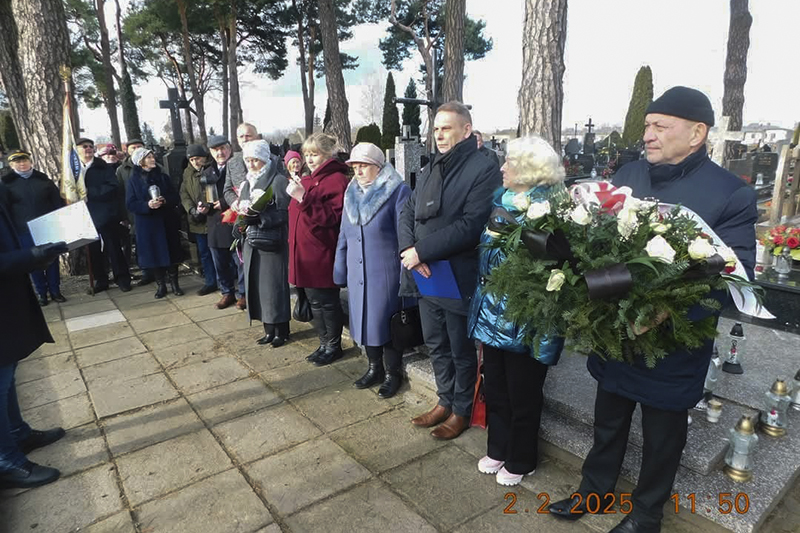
<point x="780" y="237"/>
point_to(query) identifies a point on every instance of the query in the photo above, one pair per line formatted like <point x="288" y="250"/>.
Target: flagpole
<point x="68" y="188"/>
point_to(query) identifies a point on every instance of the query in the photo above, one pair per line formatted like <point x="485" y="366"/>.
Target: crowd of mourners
<point x="319" y="222"/>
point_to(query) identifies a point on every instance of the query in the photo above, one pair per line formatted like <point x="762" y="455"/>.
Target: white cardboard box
<point x="71" y="224"/>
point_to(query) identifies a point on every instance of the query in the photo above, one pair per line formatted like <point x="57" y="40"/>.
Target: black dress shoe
<point x="58" y="297"/>
<point x="266" y="339"/>
<point x="373" y="376"/>
<point x="43" y="301"/>
<point x="630" y="525"/>
<point x="206" y="289"/>
<point x="144" y="281"/>
<point x="278" y="341"/>
<point x="328" y="357"/>
<point x="390" y="386"/>
<point x="99" y="288"/>
<point x="39" y="439"/>
<point x="570" y="509"/>
<point x="126" y="287"/>
<point x="28" y="476"/>
<point x="315" y="354"/>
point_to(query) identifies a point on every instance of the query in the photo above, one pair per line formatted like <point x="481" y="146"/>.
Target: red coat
<point x="314" y="226"/>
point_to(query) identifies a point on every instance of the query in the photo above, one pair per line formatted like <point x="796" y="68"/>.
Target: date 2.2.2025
<point x="595" y="503"/>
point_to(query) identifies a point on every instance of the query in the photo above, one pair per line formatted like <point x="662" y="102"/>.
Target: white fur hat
<point x="258" y="149"/>
<point x="139" y="154"/>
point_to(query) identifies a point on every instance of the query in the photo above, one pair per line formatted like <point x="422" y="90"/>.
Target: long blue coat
<point x="158" y="243"/>
<point x="367" y="255"/>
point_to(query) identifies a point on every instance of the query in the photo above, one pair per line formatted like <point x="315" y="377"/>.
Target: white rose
<point x="521" y="201"/>
<point x="727" y="254"/>
<point x="556" y="280"/>
<point x="627" y="221"/>
<point x="700" y="248"/>
<point x="538" y="210"/>
<point x="659" y="248"/>
<point x="659" y="228"/>
<point x="492" y="234"/>
<point x="581" y="216"/>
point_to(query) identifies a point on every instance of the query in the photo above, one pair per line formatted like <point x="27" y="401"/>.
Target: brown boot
<point x="451" y="428"/>
<point x="226" y="301"/>
<point x="435" y="416"/>
<point x="241" y="304"/>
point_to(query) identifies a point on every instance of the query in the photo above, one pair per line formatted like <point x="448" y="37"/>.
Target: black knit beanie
<point x="684" y="102"/>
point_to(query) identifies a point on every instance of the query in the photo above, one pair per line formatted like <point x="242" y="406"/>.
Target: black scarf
<point x="429" y="201"/>
<point x="664" y="173"/>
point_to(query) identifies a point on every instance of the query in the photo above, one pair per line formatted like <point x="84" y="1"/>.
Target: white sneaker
<point x="487" y="465"/>
<point x="504" y="477"/>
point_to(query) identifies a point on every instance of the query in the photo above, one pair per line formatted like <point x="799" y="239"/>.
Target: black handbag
<point x="302" y="307"/>
<point x="406" y="328"/>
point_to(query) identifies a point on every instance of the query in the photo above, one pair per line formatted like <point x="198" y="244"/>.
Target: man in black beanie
<point x="676" y="170"/>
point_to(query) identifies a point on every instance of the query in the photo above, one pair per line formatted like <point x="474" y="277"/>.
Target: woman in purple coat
<point x="367" y="261"/>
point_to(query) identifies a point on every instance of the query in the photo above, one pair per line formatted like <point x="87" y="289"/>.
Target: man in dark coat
<point x="193" y="199"/>
<point x="485" y="150"/>
<point x="25" y="324"/>
<point x="220" y="236"/>
<point x="443" y="221"/>
<point x="677" y="170"/>
<point x="103" y="195"/>
<point x="32" y="194"/>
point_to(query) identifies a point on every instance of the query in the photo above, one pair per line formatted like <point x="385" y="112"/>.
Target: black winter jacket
<point x="30" y="198"/>
<point x="104" y="194"/>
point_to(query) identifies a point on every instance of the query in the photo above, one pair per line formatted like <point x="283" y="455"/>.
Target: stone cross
<point x="173" y="103"/>
<point x="723" y="136"/>
<point x="589" y="126"/>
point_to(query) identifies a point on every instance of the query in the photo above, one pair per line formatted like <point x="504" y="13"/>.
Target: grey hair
<point x="535" y="161"/>
<point x="321" y="142"/>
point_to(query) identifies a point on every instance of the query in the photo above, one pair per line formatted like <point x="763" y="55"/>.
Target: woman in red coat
<point x="315" y="213"/>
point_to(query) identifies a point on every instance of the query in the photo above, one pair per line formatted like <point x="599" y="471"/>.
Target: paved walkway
<point x="178" y="422"/>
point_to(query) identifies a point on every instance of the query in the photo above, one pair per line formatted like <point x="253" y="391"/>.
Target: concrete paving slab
<point x="87" y="308"/>
<point x="119" y="370"/>
<point x="151" y="425"/>
<point x="93" y="321"/>
<point x="52" y="315"/>
<point x="60" y="345"/>
<point x="42" y="367"/>
<point x="385" y="441"/>
<point x="500" y="519"/>
<point x="119" y="523"/>
<point x="232" y="400"/>
<point x="240" y="341"/>
<point x="153" y="309"/>
<point x="301" y="378"/>
<point x="307" y="473"/>
<point x="208" y="374"/>
<point x="472" y="441"/>
<point x="78" y="298"/>
<point x="100" y="335"/>
<point x="178" y="335"/>
<point x="80" y="449"/>
<point x="192" y="300"/>
<point x="137" y="298"/>
<point x="66" y="505"/>
<point x="67" y="413"/>
<point x="353" y="364"/>
<point x="272" y="528"/>
<point x="342" y="405"/>
<point x="227" y="324"/>
<point x="164" y="467"/>
<point x="265" y="432"/>
<point x="446" y="488"/>
<point x="209" y="312"/>
<point x="222" y="503"/>
<point x="160" y="322"/>
<point x="59" y="328"/>
<point x="191" y="352"/>
<point x="370" y="507"/>
<point x="49" y="389"/>
<point x="109" y="351"/>
<point x="132" y="394"/>
<point x="261" y="358"/>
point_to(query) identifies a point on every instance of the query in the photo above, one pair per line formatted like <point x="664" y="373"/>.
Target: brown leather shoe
<point x="435" y="416"/>
<point x="241" y="304"/>
<point x="226" y="301"/>
<point x="451" y="428"/>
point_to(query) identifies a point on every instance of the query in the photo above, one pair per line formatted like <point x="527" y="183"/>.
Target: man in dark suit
<point x="443" y="221"/>
<point x="25" y="324"/>
<point x="677" y="170"/>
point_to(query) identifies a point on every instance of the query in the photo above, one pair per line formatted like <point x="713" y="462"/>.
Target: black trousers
<point x="111" y="252"/>
<point x="513" y="386"/>
<point x="664" y="435"/>
<point x="455" y="362"/>
<point x="328" y="320"/>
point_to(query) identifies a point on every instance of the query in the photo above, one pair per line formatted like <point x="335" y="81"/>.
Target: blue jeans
<point x="12" y="428"/>
<point x="209" y="272"/>
<point x="44" y="281"/>
<point x="227" y="267"/>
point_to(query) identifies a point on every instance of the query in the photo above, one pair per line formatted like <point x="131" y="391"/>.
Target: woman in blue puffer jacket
<point x="513" y="378"/>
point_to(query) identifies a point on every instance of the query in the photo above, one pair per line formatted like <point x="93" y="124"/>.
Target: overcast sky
<point x="683" y="41"/>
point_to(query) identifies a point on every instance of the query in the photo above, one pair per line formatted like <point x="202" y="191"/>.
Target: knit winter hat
<point x="258" y="149"/>
<point x="367" y="153"/>
<point x="684" y="102"/>
<point x="196" y="150"/>
<point x="139" y="155"/>
<point x="291" y="154"/>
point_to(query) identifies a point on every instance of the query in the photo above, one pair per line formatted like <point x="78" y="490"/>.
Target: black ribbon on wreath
<point x="609" y="282"/>
<point x="705" y="269"/>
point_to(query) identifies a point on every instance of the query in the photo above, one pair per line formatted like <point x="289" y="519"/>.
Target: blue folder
<point x="441" y="284"/>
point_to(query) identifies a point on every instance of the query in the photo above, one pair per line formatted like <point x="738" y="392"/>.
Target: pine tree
<point x="326" y="122"/>
<point x="411" y="111"/>
<point x="8" y="133"/>
<point x="369" y="134"/>
<point x="640" y="99"/>
<point x="391" y="118"/>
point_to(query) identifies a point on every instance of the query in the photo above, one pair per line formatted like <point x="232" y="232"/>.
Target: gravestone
<point x="723" y="138"/>
<point x="407" y="156"/>
<point x="588" y="139"/>
<point x="627" y="156"/>
<point x="175" y="159"/>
